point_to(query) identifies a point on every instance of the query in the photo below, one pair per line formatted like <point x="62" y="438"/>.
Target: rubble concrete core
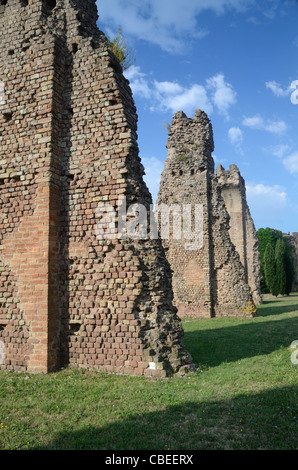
<point x="221" y="276"/>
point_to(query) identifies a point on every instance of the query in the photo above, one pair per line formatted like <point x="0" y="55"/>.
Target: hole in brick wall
<point x="115" y="65"/>
<point x="16" y="178"/>
<point x="2" y="181"/>
<point x="82" y="30"/>
<point x="7" y="116"/>
<point x="94" y="44"/>
<point x="75" y="48"/>
<point x="180" y="172"/>
<point x="48" y="5"/>
<point x="24" y="3"/>
<point x="74" y="328"/>
<point x="11" y="52"/>
<point x="2" y="326"/>
<point x="173" y="173"/>
<point x="114" y="101"/>
<point x="3" y="2"/>
<point x="26" y="44"/>
<point x="192" y="171"/>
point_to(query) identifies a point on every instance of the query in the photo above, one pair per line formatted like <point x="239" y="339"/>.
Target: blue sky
<point x="234" y="59"/>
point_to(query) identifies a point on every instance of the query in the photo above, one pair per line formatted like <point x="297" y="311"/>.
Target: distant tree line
<point x="277" y="264"/>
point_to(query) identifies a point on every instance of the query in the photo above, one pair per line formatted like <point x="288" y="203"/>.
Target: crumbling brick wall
<point x="209" y="280"/>
<point x="68" y="148"/>
<point x="241" y="227"/>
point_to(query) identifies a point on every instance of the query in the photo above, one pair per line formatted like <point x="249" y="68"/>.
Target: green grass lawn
<point x="243" y="395"/>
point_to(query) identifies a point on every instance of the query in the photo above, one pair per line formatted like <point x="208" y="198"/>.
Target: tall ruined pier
<point x="208" y="280"/>
<point x="68" y="148"/>
<point x="241" y="226"/>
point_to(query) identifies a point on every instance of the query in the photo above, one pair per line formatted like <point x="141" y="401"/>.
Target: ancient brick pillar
<point x="208" y="279"/>
<point x="71" y="291"/>
<point x="242" y="230"/>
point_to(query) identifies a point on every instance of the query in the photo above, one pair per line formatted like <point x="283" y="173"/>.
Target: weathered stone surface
<point x="241" y="227"/>
<point x="211" y="280"/>
<point x="68" y="146"/>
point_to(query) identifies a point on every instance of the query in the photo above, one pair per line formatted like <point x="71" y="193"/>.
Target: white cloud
<point x="277" y="89"/>
<point x="253" y="20"/>
<point x="166" y="23"/>
<point x="291" y="163"/>
<point x="223" y="94"/>
<point x="186" y="99"/>
<point x="235" y="135"/>
<point x="172" y="96"/>
<point x="289" y="160"/>
<point x="257" y="122"/>
<point x="275" y="127"/>
<point x="138" y="82"/>
<point x="275" y="192"/>
<point x="268" y="204"/>
<point x="168" y="88"/>
<point x="278" y="150"/>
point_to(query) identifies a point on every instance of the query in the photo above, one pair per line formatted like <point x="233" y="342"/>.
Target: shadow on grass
<point x="265" y="420"/>
<point x="277" y="306"/>
<point x="214" y="346"/>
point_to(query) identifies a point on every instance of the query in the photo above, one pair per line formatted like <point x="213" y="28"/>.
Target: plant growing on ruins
<point x="181" y="158"/>
<point x="166" y="126"/>
<point x="121" y="51"/>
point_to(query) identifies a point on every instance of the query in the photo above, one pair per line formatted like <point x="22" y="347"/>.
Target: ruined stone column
<point x="208" y="280"/>
<point x="73" y="291"/>
<point x="242" y="230"/>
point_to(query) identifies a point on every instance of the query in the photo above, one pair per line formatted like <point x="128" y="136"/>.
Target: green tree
<point x="265" y="236"/>
<point x="289" y="268"/>
<point x="280" y="260"/>
<point x="270" y="270"/>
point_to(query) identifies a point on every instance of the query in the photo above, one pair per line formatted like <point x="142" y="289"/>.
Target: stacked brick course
<point x="68" y="146"/>
<point x="241" y="227"/>
<point x="210" y="280"/>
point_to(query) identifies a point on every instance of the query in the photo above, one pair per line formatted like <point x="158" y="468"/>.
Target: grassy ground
<point x="243" y="396"/>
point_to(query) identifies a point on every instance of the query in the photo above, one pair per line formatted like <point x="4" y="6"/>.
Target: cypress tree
<point x="265" y="236"/>
<point x="289" y="268"/>
<point x="280" y="260"/>
<point x="270" y="270"/>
